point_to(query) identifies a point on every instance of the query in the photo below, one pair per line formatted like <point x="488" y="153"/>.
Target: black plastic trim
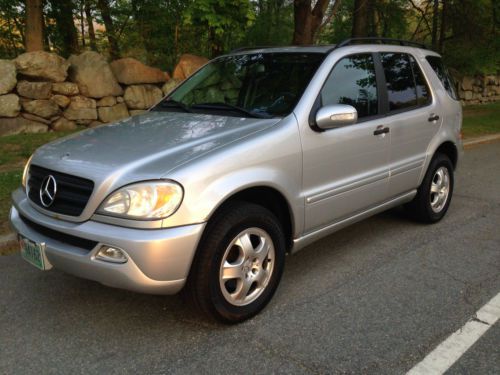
<point x="79" y="242"/>
<point x="379" y="40"/>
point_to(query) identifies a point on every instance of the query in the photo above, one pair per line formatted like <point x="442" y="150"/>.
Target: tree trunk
<point x="302" y="19"/>
<point x="90" y="25"/>
<point x="82" y="23"/>
<point x="34" y="25"/>
<point x="442" y="31"/>
<point x="307" y="21"/>
<point x="435" y="16"/>
<point x="360" y="19"/>
<point x="63" y="13"/>
<point x="114" y="49"/>
<point x="374" y="19"/>
<point x="46" y="39"/>
<point x="141" y="13"/>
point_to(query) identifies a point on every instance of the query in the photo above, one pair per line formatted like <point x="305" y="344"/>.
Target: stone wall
<point x="40" y="91"/>
<point x="479" y="89"/>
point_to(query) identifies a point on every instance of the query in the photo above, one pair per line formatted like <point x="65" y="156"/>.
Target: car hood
<point x="145" y="146"/>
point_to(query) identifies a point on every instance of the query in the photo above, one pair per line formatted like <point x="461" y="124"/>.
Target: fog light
<point x="111" y="254"/>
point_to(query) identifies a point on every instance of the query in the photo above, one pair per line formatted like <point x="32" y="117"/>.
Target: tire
<point x="235" y="244"/>
<point x="434" y="194"/>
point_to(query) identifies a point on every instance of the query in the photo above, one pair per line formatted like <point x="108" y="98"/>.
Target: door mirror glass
<point x="335" y="116"/>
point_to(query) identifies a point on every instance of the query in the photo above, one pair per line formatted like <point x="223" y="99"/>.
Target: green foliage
<point x="225" y="20"/>
<point x="473" y="41"/>
<point x="157" y="32"/>
<point x="273" y="24"/>
<point x="12" y="18"/>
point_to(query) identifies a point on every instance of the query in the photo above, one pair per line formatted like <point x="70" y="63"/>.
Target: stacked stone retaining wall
<point x="40" y="91"/>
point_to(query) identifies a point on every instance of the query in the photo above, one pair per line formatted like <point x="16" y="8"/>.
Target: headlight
<point x="24" y="180"/>
<point x="144" y="201"/>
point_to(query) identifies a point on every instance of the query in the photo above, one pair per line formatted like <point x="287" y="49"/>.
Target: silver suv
<point x="258" y="154"/>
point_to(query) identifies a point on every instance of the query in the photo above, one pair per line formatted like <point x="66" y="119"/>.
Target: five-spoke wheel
<point x="239" y="262"/>
<point x="434" y="194"/>
<point x="246" y="266"/>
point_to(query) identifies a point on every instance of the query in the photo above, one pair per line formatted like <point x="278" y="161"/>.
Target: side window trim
<point x="383" y="98"/>
<point x="387" y="112"/>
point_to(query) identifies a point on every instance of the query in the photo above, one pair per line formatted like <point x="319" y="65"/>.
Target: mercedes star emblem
<point x="48" y="190"/>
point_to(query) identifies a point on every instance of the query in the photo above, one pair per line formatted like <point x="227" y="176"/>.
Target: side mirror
<point x="335" y="116"/>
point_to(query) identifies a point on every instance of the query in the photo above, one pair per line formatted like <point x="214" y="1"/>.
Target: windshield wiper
<point x="171" y="103"/>
<point x="230" y="107"/>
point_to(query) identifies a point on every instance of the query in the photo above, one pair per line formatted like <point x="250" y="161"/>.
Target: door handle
<point x="381" y="130"/>
<point x="433" y="118"/>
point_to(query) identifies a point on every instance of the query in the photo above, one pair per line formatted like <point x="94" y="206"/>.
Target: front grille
<point x="59" y="236"/>
<point x="72" y="194"/>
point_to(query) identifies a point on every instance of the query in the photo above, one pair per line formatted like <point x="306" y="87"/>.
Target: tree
<point x="308" y="20"/>
<point x="435" y="18"/>
<point x="34" y="25"/>
<point x="442" y="30"/>
<point x="222" y="20"/>
<point x="66" y="38"/>
<point x="360" y="20"/>
<point x="90" y="24"/>
<point x="114" y="49"/>
<point x="273" y="23"/>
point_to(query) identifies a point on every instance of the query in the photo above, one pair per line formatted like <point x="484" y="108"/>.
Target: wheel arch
<point x="449" y="149"/>
<point x="267" y="197"/>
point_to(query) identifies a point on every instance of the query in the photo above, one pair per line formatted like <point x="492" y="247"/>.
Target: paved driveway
<point x="373" y="298"/>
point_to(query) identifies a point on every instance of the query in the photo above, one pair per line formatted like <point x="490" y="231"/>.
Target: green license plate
<point x="33" y="252"/>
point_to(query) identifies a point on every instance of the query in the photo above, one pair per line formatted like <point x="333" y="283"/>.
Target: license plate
<point x="34" y="253"/>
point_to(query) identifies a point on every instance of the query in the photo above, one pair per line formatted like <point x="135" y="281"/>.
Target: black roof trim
<point x="346" y="42"/>
<point x="377" y="40"/>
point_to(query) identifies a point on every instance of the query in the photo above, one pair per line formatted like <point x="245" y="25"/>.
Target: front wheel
<point x="239" y="263"/>
<point x="434" y="194"/>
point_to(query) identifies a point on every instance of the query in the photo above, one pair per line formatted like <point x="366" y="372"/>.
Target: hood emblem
<point x="48" y="190"/>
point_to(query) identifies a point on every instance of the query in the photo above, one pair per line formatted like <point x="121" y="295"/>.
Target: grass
<point x="481" y="120"/>
<point x="16" y="149"/>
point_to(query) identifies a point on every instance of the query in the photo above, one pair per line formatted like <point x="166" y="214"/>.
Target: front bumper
<point x="158" y="259"/>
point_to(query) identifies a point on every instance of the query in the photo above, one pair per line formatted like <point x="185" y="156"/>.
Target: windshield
<point x="252" y="85"/>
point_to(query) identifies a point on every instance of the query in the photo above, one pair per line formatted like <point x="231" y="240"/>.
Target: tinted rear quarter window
<point x="444" y="76"/>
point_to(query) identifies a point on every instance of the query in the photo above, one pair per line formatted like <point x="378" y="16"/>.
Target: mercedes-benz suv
<point x="256" y="155"/>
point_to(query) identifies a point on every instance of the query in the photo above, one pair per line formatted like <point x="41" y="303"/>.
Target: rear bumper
<point x="158" y="259"/>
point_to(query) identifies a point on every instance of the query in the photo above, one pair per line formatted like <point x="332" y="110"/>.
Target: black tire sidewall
<point x="222" y="233"/>
<point x="425" y="189"/>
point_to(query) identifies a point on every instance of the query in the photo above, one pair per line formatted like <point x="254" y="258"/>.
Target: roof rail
<point x="378" y="40"/>
<point x="241" y="49"/>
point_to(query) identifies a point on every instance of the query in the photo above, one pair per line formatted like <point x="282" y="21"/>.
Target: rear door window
<point x="444" y="76"/>
<point x="401" y="90"/>
<point x="423" y="92"/>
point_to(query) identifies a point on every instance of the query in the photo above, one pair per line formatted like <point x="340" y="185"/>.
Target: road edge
<point x="468" y="143"/>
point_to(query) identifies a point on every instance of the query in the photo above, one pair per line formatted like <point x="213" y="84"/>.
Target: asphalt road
<point x="373" y="298"/>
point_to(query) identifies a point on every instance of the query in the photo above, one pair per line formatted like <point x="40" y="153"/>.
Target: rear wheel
<point x="434" y="194"/>
<point x="238" y="264"/>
